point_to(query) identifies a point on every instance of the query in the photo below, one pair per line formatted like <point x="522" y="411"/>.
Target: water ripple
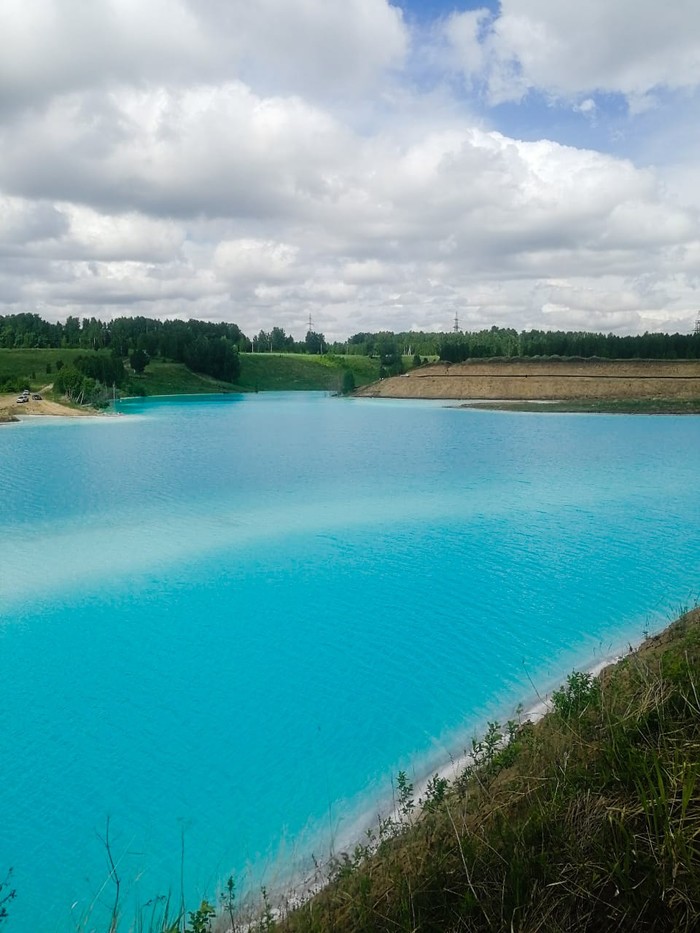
<point x="241" y="618"/>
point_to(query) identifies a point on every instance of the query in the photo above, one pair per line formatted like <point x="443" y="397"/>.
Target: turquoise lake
<point x="230" y="620"/>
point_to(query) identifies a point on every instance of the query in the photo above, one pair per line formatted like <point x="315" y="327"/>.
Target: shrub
<point x="580" y="693"/>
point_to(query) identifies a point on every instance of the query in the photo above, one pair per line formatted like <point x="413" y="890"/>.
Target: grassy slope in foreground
<point x="587" y="820"/>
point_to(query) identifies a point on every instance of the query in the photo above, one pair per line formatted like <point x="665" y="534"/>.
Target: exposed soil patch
<point x="12" y="410"/>
<point x="536" y="379"/>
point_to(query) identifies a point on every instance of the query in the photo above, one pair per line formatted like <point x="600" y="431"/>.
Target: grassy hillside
<point x="259" y="372"/>
<point x="164" y="378"/>
<point x="278" y="371"/>
<point x="588" y="820"/>
<point x="31" y="365"/>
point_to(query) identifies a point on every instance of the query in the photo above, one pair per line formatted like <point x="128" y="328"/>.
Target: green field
<point x="30" y="366"/>
<point x="264" y="372"/>
<point x="260" y="372"/>
<point x="164" y="378"/>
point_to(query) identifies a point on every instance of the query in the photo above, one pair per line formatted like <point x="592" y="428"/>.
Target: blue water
<point x="232" y="619"/>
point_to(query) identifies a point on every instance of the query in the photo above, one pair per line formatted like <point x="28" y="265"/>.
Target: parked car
<point x="22" y="398"/>
<point x="36" y="397"/>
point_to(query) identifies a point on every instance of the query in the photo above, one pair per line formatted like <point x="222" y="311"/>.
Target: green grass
<point x="30" y="365"/>
<point x="164" y="378"/>
<point x="589" y="820"/>
<point x="279" y="371"/>
<point x="259" y="372"/>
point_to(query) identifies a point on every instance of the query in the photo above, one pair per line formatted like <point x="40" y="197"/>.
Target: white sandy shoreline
<point x="533" y="712"/>
<point x="451" y="768"/>
<point x="300" y="884"/>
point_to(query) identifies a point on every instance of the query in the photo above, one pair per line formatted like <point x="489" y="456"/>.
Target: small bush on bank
<point x="588" y="820"/>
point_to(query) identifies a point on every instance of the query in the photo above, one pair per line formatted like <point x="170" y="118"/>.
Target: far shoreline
<point x="589" y="406"/>
<point x="12" y="413"/>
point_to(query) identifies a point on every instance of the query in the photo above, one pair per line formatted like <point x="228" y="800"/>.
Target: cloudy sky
<point x="373" y="165"/>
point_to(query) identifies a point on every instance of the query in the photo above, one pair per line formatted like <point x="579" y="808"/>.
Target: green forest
<point x="198" y="343"/>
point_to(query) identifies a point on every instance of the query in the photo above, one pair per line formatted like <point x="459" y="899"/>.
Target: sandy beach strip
<point x="11" y="410"/>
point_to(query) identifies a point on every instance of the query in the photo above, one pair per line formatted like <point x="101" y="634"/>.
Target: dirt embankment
<point x="12" y="410"/>
<point x="523" y="379"/>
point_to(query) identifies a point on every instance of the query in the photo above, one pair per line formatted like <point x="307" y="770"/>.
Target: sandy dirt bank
<point x="532" y="379"/>
<point x="12" y="410"/>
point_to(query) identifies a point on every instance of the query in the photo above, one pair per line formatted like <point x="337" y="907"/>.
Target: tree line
<point x="213" y="348"/>
<point x="210" y="349"/>
<point x="88" y="379"/>
<point x="508" y="342"/>
<point x="505" y="342"/>
<point x="278" y="341"/>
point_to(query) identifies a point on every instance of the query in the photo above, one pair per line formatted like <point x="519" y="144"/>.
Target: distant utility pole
<point x="311" y="323"/>
<point x="697" y="324"/>
<point x="455" y="327"/>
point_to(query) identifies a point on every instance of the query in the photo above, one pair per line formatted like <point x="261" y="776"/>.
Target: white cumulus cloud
<point x="566" y="48"/>
<point x="268" y="161"/>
